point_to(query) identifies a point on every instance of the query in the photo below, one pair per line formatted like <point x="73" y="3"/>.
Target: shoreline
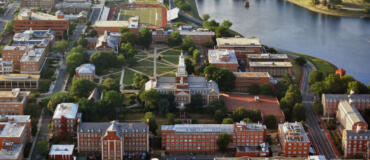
<point x="324" y="12"/>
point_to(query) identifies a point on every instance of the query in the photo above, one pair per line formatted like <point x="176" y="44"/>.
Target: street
<point x="8" y="14"/>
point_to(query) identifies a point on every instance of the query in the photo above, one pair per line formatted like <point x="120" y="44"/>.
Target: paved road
<point x="8" y="14"/>
<point x="186" y="16"/>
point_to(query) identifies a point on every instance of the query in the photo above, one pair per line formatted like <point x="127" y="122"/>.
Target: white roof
<point x="217" y="55"/>
<point x="238" y="41"/>
<point x="61" y="149"/>
<point x="12" y="130"/>
<point x="173" y="14"/>
<point x="200" y="128"/>
<point x="86" y="69"/>
<point x="68" y="110"/>
<point x="33" y="55"/>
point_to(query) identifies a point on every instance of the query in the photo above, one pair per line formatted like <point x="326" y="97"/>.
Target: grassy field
<point x="149" y="16"/>
<point x="322" y="65"/>
<point x="129" y="77"/>
<point x="349" y="8"/>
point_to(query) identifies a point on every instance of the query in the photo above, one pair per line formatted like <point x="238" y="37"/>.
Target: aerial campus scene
<point x="184" y="79"/>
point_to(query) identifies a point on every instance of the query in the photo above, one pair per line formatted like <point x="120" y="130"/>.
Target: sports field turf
<point x="149" y="16"/>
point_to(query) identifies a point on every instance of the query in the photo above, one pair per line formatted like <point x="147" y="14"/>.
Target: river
<point x="342" y="41"/>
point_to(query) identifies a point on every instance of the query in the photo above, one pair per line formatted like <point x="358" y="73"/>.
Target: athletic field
<point x="148" y="16"/>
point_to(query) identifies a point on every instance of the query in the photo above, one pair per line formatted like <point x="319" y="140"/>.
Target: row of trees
<point x="222" y="30"/>
<point x="223" y="77"/>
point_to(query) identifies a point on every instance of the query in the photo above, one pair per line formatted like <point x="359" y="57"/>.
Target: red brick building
<point x="113" y="140"/>
<point x="245" y="79"/>
<point x="242" y="46"/>
<point x="64" y="120"/>
<point x="294" y="140"/>
<point x="199" y="36"/>
<point x="265" y="104"/>
<point x="14" y="54"/>
<point x="28" y="19"/>
<point x="349" y="117"/>
<point x="275" y="69"/>
<point x="330" y="102"/>
<point x="13" y="102"/>
<point x="85" y="71"/>
<point x="355" y="144"/>
<point x="223" y="58"/>
<point x="61" y="152"/>
<point x="267" y="57"/>
<point x="160" y="35"/>
<point x="203" y="137"/>
<point x="33" y="61"/>
<point x="115" y="26"/>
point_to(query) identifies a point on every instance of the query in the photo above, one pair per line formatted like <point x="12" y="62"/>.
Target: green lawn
<point x="129" y="77"/>
<point x="322" y="65"/>
<point x="151" y="16"/>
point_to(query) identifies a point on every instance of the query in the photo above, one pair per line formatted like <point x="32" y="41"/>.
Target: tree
<point x="189" y="65"/>
<point x="255" y="115"/>
<point x="196" y="56"/>
<point x="333" y="84"/>
<point x="187" y="43"/>
<point x="267" y="89"/>
<point x="42" y="147"/>
<point x="222" y="31"/>
<point x="318" y="88"/>
<point x="254" y="89"/>
<point x="239" y="114"/>
<point x="124" y="30"/>
<point x="57" y="98"/>
<point x="205" y="17"/>
<point x="113" y="99"/>
<point x="73" y="60"/>
<point x="82" y="41"/>
<point x="171" y="118"/>
<point x="60" y="46"/>
<point x="9" y="27"/>
<point x="150" y="99"/>
<point x="145" y="37"/>
<point x="150" y="119"/>
<point x="247" y="120"/>
<point x="223" y="141"/>
<point x="315" y="76"/>
<point x="129" y="53"/>
<point x="335" y="2"/>
<point x="227" y="121"/>
<point x="299" y="112"/>
<point x="129" y="37"/>
<point x="318" y="108"/>
<point x="103" y="60"/>
<point x="174" y="39"/>
<point x="211" y="25"/>
<point x="225" y="79"/>
<point x="81" y="87"/>
<point x="226" y="24"/>
<point x="215" y="105"/>
<point x="353" y="86"/>
<point x="139" y="80"/>
<point x="219" y="116"/>
<point x="111" y="84"/>
<point x="300" y="60"/>
<point x="210" y="72"/>
<point x="270" y="121"/>
<point x="196" y="103"/>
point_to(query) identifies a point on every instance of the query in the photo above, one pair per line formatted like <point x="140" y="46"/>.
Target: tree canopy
<point x="60" y="46"/>
<point x="270" y="121"/>
<point x="57" y="98"/>
<point x="73" y="60"/>
<point x="174" y="39"/>
<point x="145" y="37"/>
<point x="150" y="99"/>
<point x="81" y="87"/>
<point x="223" y="141"/>
<point x="223" y="77"/>
<point x="149" y="117"/>
<point x="103" y="60"/>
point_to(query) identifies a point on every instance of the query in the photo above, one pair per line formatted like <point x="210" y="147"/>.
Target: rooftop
<point x="14" y="95"/>
<point x="61" y="149"/>
<point x="101" y="127"/>
<point x="73" y="5"/>
<point x="199" y="128"/>
<point x="222" y="56"/>
<point x="267" y="56"/>
<point x="12" y="129"/>
<point x="68" y="110"/>
<point x="199" y="31"/>
<point x="270" y="64"/>
<point x="131" y="23"/>
<point x="360" y="135"/>
<point x="27" y="14"/>
<point x="263" y="147"/>
<point x="339" y="97"/>
<point x="15" y="152"/>
<point x="350" y="113"/>
<point x="7" y="47"/>
<point x="252" y="74"/>
<point x="15" y="118"/>
<point x="86" y="69"/>
<point x="238" y="41"/>
<point x="19" y="77"/>
<point x="293" y="132"/>
<point x="33" y="55"/>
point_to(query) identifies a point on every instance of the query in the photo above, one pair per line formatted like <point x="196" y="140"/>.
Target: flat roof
<point x="14" y="76"/>
<point x="252" y="74"/>
<point x="61" y="149"/>
<point x="200" y="128"/>
<point x="196" y="32"/>
<point x="16" y="118"/>
<point x="33" y="55"/>
<point x="68" y="110"/>
<point x="222" y="56"/>
<point x="12" y="129"/>
<point x="7" y="47"/>
<point x="24" y="14"/>
<point x="293" y="132"/>
<point x="350" y="113"/>
<point x="86" y="68"/>
<point x="111" y="24"/>
<point x="12" y="153"/>
<point x="270" y="64"/>
<point x="267" y="56"/>
<point x="238" y="41"/>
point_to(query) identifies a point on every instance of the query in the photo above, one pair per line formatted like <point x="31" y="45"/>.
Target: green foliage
<point x="111" y="84"/>
<point x="183" y="5"/>
<point x="335" y="2"/>
<point x="222" y="30"/>
<point x="167" y="104"/>
<point x="215" y="105"/>
<point x="149" y="117"/>
<point x="103" y="60"/>
<point x="150" y="99"/>
<point x="267" y="89"/>
<point x="174" y="39"/>
<point x="254" y="89"/>
<point x="82" y="41"/>
<point x="333" y="84"/>
<point x="223" y="141"/>
<point x="113" y="99"/>
<point x="196" y="103"/>
<point x="227" y="121"/>
<point x="129" y="37"/>
<point x="60" y="46"/>
<point x="315" y="76"/>
<point x="300" y="60"/>
<point x="196" y="56"/>
<point x="205" y="17"/>
<point x="219" y="116"/>
<point x="81" y="87"/>
<point x="367" y="9"/>
<point x="140" y="80"/>
<point x="299" y="112"/>
<point x="75" y="59"/>
<point x="189" y="65"/>
<point x="270" y="121"/>
<point x="124" y="30"/>
<point x="9" y="26"/>
<point x="42" y="147"/>
<point x="171" y="119"/>
<point x="223" y="77"/>
<point x="92" y="33"/>
<point x="59" y="97"/>
<point x="187" y="43"/>
<point x="318" y="108"/>
<point x="292" y="96"/>
<point x="239" y="114"/>
<point x="145" y="37"/>
<point x="129" y="53"/>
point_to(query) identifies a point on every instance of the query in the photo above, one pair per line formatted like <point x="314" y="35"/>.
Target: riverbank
<point x="350" y="12"/>
<point x="321" y="65"/>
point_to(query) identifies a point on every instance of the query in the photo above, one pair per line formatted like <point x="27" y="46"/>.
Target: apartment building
<point x="190" y="138"/>
<point x="275" y="69"/>
<point x="242" y="46"/>
<point x="113" y="140"/>
<point x="64" y="121"/>
<point x="223" y="58"/>
<point x="244" y="79"/>
<point x="200" y="36"/>
<point x="22" y="81"/>
<point x="28" y="18"/>
<point x="85" y="71"/>
<point x="330" y="102"/>
<point x="294" y="140"/>
<point x="33" y="61"/>
<point x="13" y="102"/>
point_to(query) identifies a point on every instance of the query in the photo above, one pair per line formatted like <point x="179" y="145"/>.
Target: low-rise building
<point x="33" y="61"/>
<point x="189" y="138"/>
<point x="28" y="18"/>
<point x="19" y="120"/>
<point x="13" y="102"/>
<point x="64" y="120"/>
<point x="6" y="66"/>
<point x="73" y="7"/>
<point x="330" y="102"/>
<point x="115" y="26"/>
<point x="160" y="35"/>
<point x="355" y="143"/>
<point x="14" y="54"/>
<point x="349" y="117"/>
<point x="43" y="4"/>
<point x="267" y="57"/>
<point x="113" y="140"/>
<point x="244" y="79"/>
<point x="61" y="152"/>
<point x="223" y="58"/>
<point x="108" y="42"/>
<point x="267" y="105"/>
<point x="22" y="81"/>
<point x="253" y="151"/>
<point x="80" y="17"/>
<point x="85" y="71"/>
<point x="275" y="69"/>
<point x="199" y="36"/>
<point x="294" y="140"/>
<point x="34" y="38"/>
<point x="242" y="46"/>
